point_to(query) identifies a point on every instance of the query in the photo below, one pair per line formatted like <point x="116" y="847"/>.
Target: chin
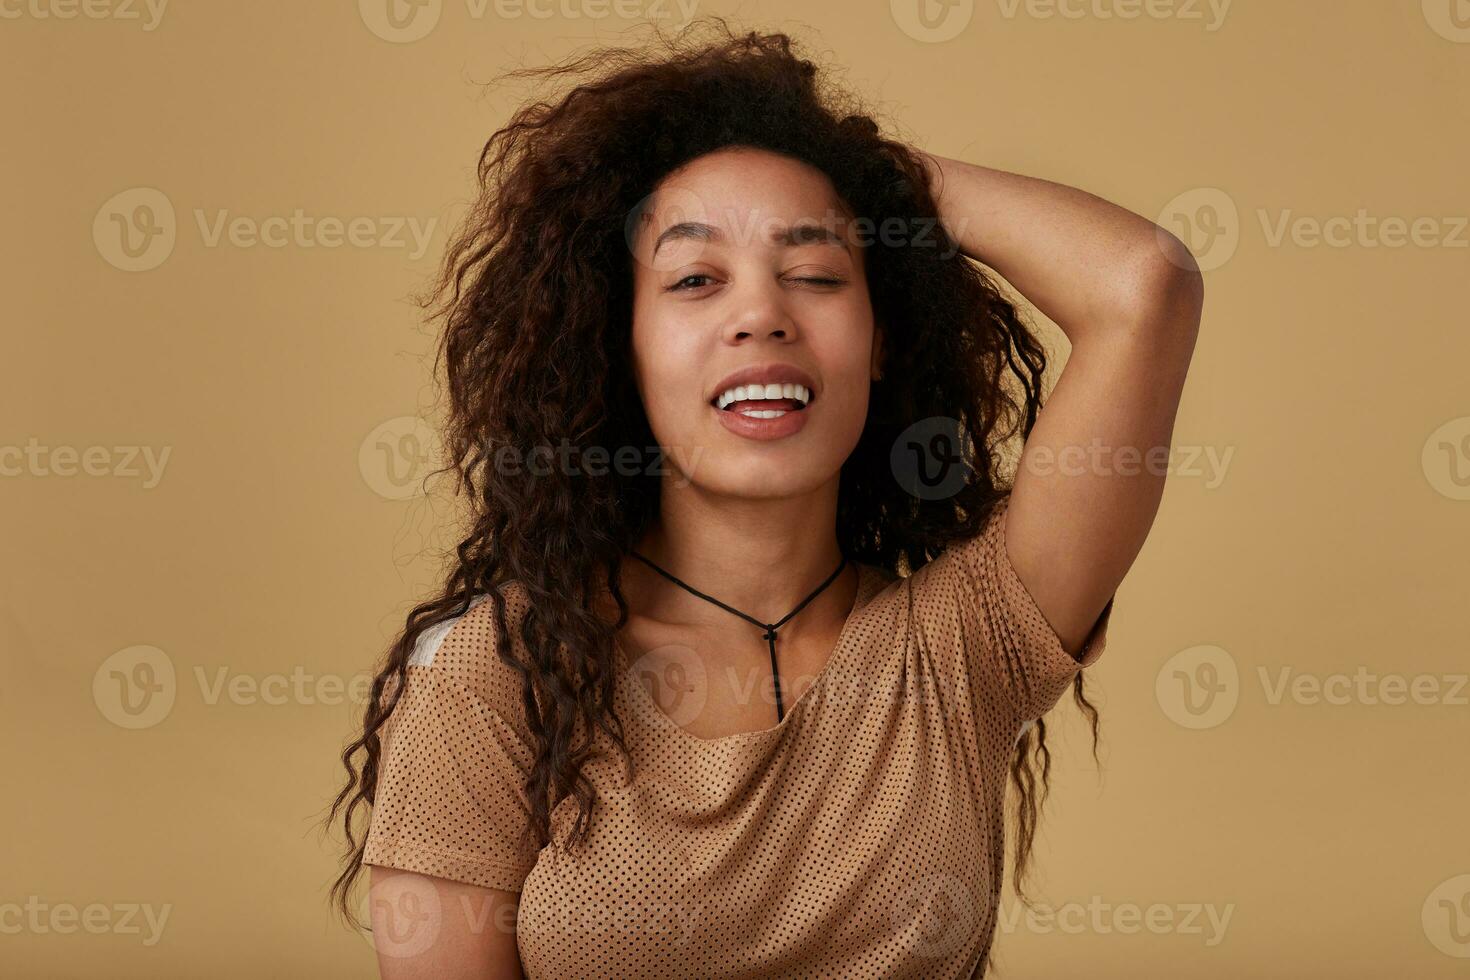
<point x="755" y="478"/>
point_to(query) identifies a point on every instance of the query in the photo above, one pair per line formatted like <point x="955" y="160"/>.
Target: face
<point x="748" y="276"/>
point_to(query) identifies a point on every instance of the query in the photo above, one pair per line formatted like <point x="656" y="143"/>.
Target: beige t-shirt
<point x="862" y="836"/>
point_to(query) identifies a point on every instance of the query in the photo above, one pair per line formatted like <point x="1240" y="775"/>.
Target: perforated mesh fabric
<point x="859" y="837"/>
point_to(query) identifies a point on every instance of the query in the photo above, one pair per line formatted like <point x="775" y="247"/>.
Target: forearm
<point x="1090" y="266"/>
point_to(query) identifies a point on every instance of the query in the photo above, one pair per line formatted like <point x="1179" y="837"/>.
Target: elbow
<point x="1162" y="288"/>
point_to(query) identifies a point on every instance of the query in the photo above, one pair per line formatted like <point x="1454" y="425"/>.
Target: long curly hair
<point x="536" y="298"/>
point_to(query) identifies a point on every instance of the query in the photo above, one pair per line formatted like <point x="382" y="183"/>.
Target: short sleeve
<point x="1013" y="654"/>
<point x="450" y="801"/>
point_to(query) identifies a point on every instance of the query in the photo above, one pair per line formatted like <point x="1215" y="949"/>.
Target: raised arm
<point x="1128" y="296"/>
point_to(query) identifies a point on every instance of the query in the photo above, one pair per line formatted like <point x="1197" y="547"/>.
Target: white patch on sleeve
<point x="432" y="638"/>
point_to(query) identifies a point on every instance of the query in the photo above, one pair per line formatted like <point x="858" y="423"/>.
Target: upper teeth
<point x="745" y="393"/>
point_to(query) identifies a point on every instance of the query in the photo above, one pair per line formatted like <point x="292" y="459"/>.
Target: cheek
<point x="666" y="364"/>
<point x="851" y="375"/>
<point x="851" y="411"/>
<point x="846" y="355"/>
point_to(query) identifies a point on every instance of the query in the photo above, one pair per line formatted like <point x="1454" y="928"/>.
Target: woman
<point x="747" y="705"/>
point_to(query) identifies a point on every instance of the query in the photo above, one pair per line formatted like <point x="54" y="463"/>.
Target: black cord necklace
<point x="770" y="628"/>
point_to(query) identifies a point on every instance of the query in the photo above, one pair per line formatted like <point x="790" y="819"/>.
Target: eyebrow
<point x="801" y="234"/>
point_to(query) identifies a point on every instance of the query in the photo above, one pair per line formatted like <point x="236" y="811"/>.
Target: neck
<point x="762" y="556"/>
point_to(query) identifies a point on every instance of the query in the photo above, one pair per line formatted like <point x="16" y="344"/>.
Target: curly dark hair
<point x="536" y="298"/>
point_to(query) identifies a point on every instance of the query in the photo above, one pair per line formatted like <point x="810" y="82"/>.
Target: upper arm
<point x="1093" y="468"/>
<point x="970" y="601"/>
<point x="427" y="928"/>
<point x="451" y="837"/>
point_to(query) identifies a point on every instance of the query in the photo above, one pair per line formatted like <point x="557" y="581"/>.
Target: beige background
<point x="282" y="543"/>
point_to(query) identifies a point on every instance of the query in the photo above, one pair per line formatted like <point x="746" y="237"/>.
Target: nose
<point x="758" y="310"/>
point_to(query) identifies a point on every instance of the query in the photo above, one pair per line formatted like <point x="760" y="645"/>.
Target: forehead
<point x="743" y="197"/>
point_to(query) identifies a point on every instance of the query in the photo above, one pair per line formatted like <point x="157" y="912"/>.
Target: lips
<point x="762" y="429"/>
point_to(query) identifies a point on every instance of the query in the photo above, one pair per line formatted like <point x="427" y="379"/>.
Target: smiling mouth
<point x="754" y="401"/>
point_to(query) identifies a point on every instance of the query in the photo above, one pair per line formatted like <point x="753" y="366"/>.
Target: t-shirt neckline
<point x="663" y="722"/>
